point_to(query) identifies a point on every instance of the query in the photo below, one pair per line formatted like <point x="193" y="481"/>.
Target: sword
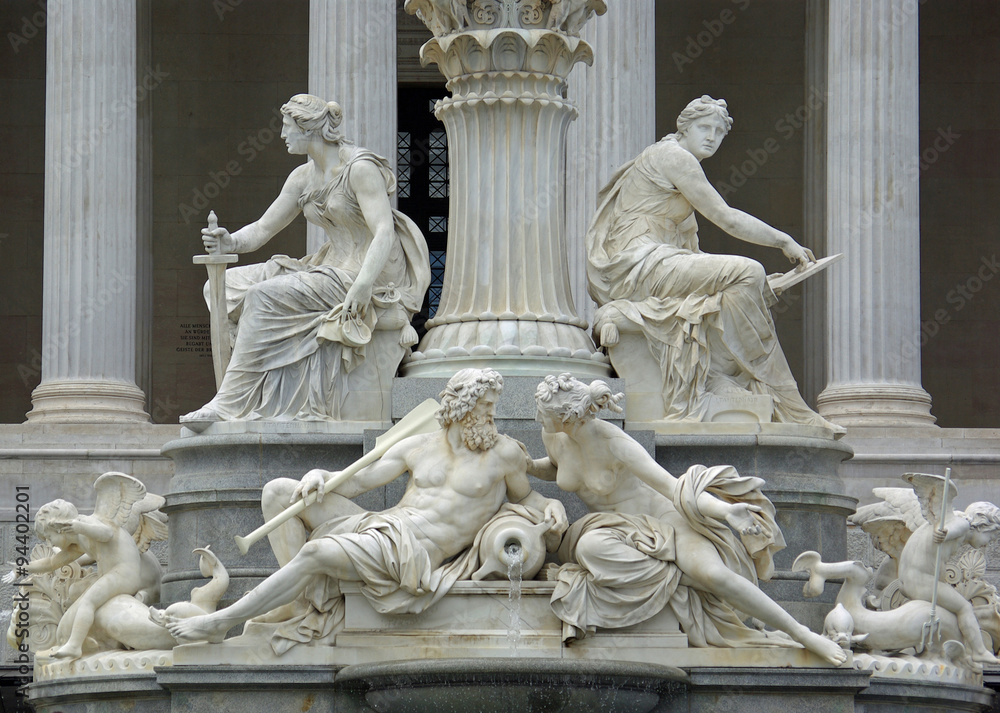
<point x="931" y="629"/>
<point x="215" y="262"/>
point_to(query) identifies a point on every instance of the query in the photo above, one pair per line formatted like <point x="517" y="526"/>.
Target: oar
<point x="931" y="629"/>
<point x="419" y="420"/>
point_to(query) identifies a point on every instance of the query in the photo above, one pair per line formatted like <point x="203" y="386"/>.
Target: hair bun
<point x="335" y="112"/>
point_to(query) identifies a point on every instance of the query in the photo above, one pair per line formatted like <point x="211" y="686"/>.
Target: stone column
<point x="872" y="170"/>
<point x="89" y="276"/>
<point x="616" y="98"/>
<point x="814" y="199"/>
<point x="352" y="61"/>
<point x="506" y="300"/>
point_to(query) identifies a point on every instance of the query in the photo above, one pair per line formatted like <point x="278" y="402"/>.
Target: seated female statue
<point x="652" y="540"/>
<point x="303" y="323"/>
<point x="706" y="317"/>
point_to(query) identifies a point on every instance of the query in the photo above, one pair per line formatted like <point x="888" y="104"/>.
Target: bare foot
<point x="65" y="652"/>
<point x="824" y="648"/>
<point x="198" y="628"/>
<point x="985" y="657"/>
<point x="205" y="414"/>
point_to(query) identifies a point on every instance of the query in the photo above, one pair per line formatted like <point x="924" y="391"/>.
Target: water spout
<point x="514" y="555"/>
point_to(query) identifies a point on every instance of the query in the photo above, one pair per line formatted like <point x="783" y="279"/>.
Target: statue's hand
<point x="218" y="240"/>
<point x="798" y="254"/>
<point x="741" y="519"/>
<point x="358" y="298"/>
<point x="939" y="535"/>
<point x="310" y="488"/>
<point x="556" y="513"/>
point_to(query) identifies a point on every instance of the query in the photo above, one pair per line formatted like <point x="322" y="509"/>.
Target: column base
<point x="876" y="405"/>
<point x="95" y="401"/>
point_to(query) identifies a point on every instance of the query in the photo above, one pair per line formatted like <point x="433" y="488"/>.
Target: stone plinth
<point x="506" y="299"/>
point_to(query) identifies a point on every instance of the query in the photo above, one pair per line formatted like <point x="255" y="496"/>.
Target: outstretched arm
<point x="278" y="215"/>
<point x="54" y="562"/>
<point x="690" y="179"/>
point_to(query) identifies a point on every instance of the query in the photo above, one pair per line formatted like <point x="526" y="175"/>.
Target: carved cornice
<point x="446" y="17"/>
<point x="506" y="50"/>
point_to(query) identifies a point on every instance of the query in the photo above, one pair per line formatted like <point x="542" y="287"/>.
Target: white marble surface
<point x="873" y="217"/>
<point x="705" y="318"/>
<point x="506" y="288"/>
<point x="89" y="271"/>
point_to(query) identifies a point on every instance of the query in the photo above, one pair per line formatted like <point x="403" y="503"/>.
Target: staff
<point x="932" y="627"/>
<point x="419" y="420"/>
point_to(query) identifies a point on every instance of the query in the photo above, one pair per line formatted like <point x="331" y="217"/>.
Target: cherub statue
<point x="907" y="526"/>
<point x="570" y="16"/>
<point x="116" y="537"/>
<point x="442" y="17"/>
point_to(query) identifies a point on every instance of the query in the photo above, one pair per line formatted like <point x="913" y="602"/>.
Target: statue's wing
<point x="152" y="526"/>
<point x="890" y="522"/>
<point x="930" y="492"/>
<point x="117" y="493"/>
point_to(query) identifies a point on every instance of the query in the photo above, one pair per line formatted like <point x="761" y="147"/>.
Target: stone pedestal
<point x="506" y="299"/>
<point x="215" y="492"/>
<point x="873" y="217"/>
<point x="90" y="266"/>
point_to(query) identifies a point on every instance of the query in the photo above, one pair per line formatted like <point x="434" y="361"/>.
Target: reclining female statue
<point x="705" y="317"/>
<point x="303" y="323"/>
<point x="652" y="540"/>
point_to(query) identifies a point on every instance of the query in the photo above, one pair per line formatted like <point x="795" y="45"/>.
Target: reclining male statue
<point x="460" y="477"/>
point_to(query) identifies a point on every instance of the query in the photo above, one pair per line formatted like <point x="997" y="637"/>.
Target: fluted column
<point x="89" y="275"/>
<point x="616" y="98"/>
<point x="506" y="297"/>
<point x="814" y="290"/>
<point x="352" y="61"/>
<point x="873" y="305"/>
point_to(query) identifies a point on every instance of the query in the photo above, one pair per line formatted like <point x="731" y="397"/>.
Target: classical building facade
<point x="865" y="127"/>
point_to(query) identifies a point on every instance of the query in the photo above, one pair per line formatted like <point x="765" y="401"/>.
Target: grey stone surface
<point x="136" y="693"/>
<point x="774" y="690"/>
<point x="892" y="696"/>
<point x="250" y="689"/>
<point x="514" y="684"/>
<point x="517" y="402"/>
<point x="215" y="495"/>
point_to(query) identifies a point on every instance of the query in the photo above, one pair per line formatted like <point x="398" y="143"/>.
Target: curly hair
<point x="57" y="512"/>
<point x="704" y="106"/>
<point x="311" y="113"/>
<point x="463" y="391"/>
<point x="571" y="399"/>
<point x="983" y="516"/>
